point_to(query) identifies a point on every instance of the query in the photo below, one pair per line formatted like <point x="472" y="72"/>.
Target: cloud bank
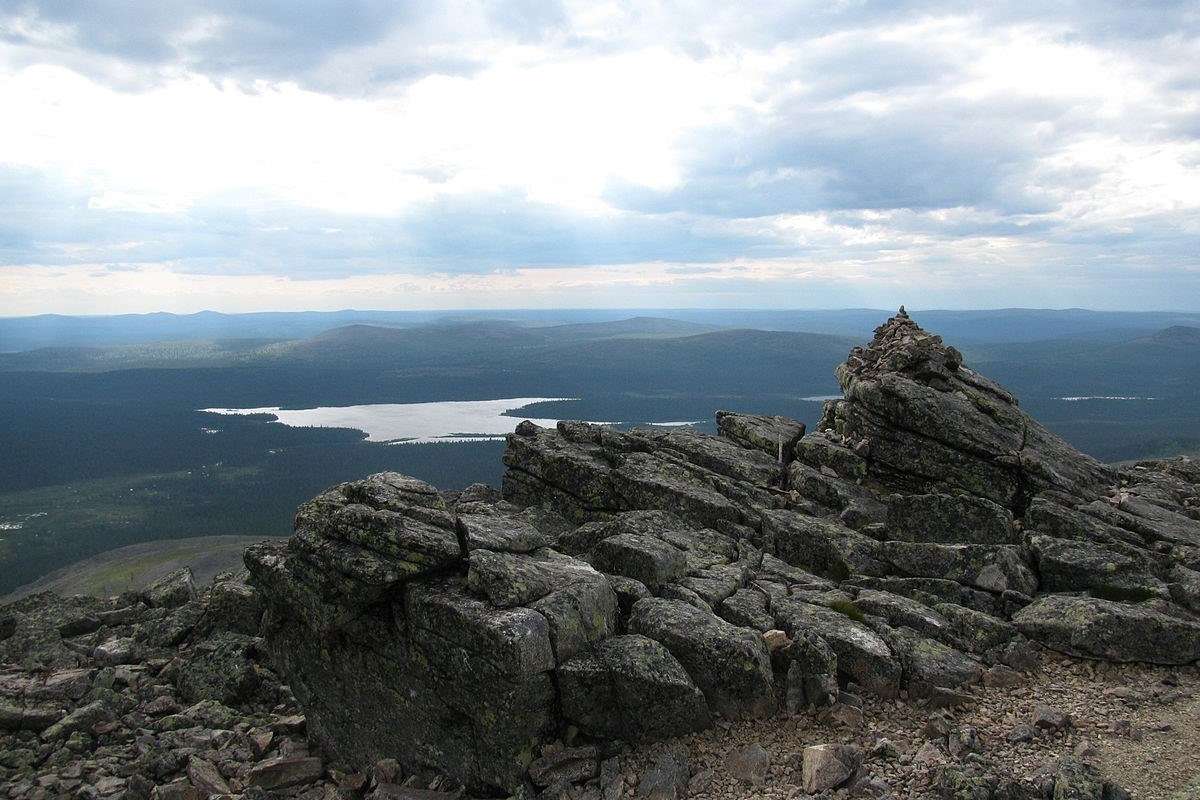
<point x="496" y="154"/>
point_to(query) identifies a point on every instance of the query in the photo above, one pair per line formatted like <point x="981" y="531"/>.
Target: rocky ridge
<point x="923" y="548"/>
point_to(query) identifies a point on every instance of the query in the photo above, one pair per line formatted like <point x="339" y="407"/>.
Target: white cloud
<point x="557" y="130"/>
<point x="905" y="145"/>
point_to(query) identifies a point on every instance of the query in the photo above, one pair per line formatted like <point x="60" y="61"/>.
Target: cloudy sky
<point x="159" y="155"/>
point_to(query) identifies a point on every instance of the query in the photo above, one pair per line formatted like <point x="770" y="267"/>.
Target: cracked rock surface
<point x="637" y="585"/>
<point x="922" y="547"/>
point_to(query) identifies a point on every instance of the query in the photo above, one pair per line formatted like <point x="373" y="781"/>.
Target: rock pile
<point x="161" y="694"/>
<point x="633" y="586"/>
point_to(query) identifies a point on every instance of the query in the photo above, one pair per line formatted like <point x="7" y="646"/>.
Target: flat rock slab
<point x="1094" y="628"/>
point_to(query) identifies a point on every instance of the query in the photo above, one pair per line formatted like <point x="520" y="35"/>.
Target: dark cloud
<point x="810" y="158"/>
<point x="376" y="42"/>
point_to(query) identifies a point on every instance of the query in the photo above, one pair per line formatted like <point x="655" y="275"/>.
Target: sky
<point x="238" y="156"/>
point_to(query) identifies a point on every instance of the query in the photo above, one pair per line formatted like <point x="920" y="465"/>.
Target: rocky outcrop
<point x="920" y="420"/>
<point x="636" y="585"/>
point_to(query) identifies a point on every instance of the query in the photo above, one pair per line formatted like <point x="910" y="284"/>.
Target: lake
<point x="404" y="423"/>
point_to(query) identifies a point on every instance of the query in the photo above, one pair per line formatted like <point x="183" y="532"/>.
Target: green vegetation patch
<point x="848" y="608"/>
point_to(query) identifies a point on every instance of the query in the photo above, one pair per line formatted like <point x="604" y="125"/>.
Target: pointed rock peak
<point x="923" y="421"/>
<point x="902" y="346"/>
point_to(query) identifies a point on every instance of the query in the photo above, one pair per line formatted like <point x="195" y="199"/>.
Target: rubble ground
<point x="1136" y="721"/>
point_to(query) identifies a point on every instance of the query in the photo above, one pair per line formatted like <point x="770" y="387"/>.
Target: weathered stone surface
<point x="25" y="716"/>
<point x="205" y="777"/>
<point x="747" y="608"/>
<point x="222" y="668"/>
<point x="928" y="665"/>
<point x="976" y="630"/>
<point x="667" y="778"/>
<point x="565" y="765"/>
<point x="862" y="655"/>
<point x="1088" y="626"/>
<point x="823" y="546"/>
<point x="856" y="506"/>
<point x="1116" y="571"/>
<point x="647" y="559"/>
<point x="631" y="688"/>
<point x="950" y="519"/>
<point x="80" y="719"/>
<point x="284" y="771"/>
<point x="117" y="650"/>
<point x="437" y="659"/>
<point x="102" y="730"/>
<point x="828" y="766"/>
<point x="774" y="435"/>
<point x="377" y="532"/>
<point x="232" y="605"/>
<point x="171" y="590"/>
<point x="750" y="764"/>
<point x="731" y="665"/>
<point x="987" y="567"/>
<point x="587" y="471"/>
<point x="923" y="422"/>
<point x="901" y="611"/>
<point x="812" y="672"/>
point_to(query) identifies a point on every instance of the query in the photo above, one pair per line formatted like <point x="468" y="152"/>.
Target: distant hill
<point x="1165" y="363"/>
<point x="1177" y="336"/>
<point x="629" y="354"/>
<point x="151" y="355"/>
<point x="640" y="327"/>
<point x="963" y="327"/>
<point x="464" y="341"/>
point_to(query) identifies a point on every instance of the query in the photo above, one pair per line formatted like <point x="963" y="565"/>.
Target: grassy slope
<point x="137" y="566"/>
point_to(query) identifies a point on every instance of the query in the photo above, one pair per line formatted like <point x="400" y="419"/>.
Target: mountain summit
<point x="638" y="585"/>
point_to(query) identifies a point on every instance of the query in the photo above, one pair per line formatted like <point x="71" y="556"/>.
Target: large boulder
<point x="1116" y="570"/>
<point x="812" y="672"/>
<point x="223" y="668"/>
<point x="862" y="655"/>
<point x="385" y="611"/>
<point x="824" y="546"/>
<point x="647" y="559"/>
<point x="171" y="590"/>
<point x="993" y="568"/>
<point x="1095" y="628"/>
<point x="731" y="665"/>
<point x="774" y="435"/>
<point x="928" y="665"/>
<point x="232" y="605"/>
<point x="631" y="688"/>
